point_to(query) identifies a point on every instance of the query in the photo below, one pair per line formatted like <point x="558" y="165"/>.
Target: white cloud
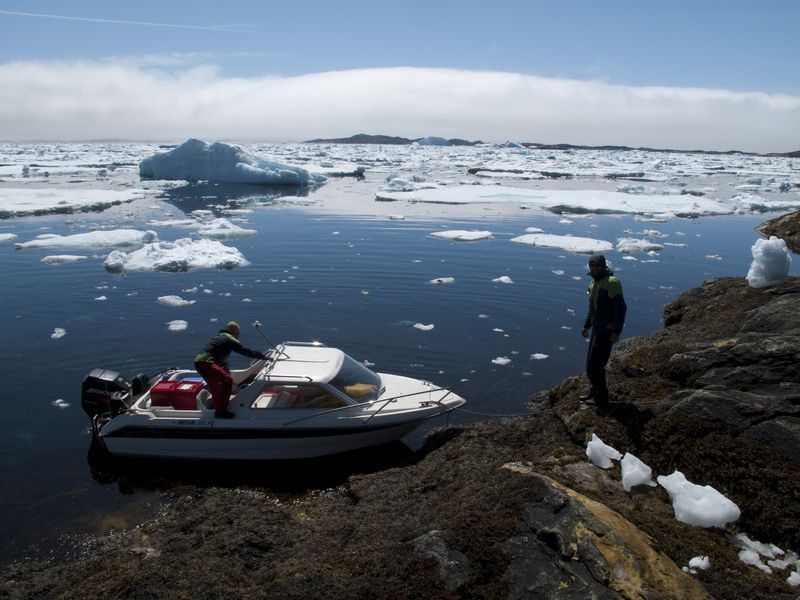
<point x="78" y="100"/>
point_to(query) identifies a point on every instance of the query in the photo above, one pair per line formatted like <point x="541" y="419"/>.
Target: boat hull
<point x="250" y="444"/>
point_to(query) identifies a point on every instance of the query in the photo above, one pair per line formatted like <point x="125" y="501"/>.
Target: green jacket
<point x="607" y="306"/>
<point x="220" y="347"/>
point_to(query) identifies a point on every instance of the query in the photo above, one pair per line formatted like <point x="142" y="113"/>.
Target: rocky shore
<point x="512" y="508"/>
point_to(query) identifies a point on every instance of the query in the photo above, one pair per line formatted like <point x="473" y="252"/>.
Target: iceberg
<point x="195" y="160"/>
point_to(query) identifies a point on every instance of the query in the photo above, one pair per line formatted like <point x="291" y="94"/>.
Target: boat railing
<point x="385" y="402"/>
<point x="324" y="412"/>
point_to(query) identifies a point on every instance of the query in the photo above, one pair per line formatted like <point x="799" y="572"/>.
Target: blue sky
<point x="703" y="74"/>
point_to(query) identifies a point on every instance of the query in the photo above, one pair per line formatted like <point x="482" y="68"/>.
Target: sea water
<point x="364" y="284"/>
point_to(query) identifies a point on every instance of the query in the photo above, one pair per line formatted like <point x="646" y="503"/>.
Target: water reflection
<point x="221" y="196"/>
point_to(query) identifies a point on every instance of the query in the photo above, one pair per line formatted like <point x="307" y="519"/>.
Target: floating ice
<point x="539" y="356"/>
<point x="566" y="201"/>
<point x="501" y="360"/>
<point x="181" y="255"/>
<point x="770" y="264"/>
<point x="635" y="472"/>
<point x="112" y="237"/>
<point x="20" y="202"/>
<point x="601" y="455"/>
<point x="580" y="245"/>
<point x="195" y="160"/>
<point x="631" y="245"/>
<point x="223" y="229"/>
<point x="443" y="280"/>
<point x="698" y="505"/>
<point x="174" y="301"/>
<point x="177" y="325"/>
<point x="60" y="259"/>
<point x="58" y="333"/>
<point x="463" y="236"/>
<point x="505" y="279"/>
<point x="59" y="403"/>
<point x="422" y="327"/>
<point x="7" y="237"/>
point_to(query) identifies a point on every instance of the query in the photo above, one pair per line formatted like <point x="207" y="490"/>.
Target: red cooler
<point x="181" y="395"/>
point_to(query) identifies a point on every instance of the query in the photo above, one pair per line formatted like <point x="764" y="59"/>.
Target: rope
<point x="502" y="416"/>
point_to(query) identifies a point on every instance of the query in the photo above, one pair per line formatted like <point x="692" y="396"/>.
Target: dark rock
<point x="786" y="227"/>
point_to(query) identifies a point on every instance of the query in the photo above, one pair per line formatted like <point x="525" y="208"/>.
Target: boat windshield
<point x="357" y="381"/>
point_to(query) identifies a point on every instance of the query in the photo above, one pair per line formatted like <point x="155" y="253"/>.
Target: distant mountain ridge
<point x="365" y="138"/>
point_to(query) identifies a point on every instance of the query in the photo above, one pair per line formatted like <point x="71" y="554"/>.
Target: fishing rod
<point x="257" y="325"/>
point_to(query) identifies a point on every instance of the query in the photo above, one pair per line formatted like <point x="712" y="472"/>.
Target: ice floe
<point x="21" y="202"/>
<point x="581" y="245"/>
<point x="174" y="301"/>
<point x="460" y="235"/>
<point x="184" y="254"/>
<point x="115" y="237"/>
<point x="60" y="259"/>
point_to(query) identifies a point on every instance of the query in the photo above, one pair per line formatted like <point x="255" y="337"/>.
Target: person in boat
<point x="605" y="320"/>
<point x="212" y="364"/>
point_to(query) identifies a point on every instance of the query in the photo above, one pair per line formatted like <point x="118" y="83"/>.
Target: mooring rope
<point x="503" y="416"/>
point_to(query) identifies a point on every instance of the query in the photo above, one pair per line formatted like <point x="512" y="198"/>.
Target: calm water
<point x="357" y="283"/>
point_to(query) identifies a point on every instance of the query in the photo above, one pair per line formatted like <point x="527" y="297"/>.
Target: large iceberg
<point x="195" y="160"/>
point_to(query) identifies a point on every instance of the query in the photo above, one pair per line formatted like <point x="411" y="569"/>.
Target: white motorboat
<point x="305" y="400"/>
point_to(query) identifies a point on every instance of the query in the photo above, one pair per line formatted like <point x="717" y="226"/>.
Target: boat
<point x="305" y="400"/>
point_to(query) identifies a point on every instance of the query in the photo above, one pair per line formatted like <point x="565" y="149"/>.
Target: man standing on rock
<point x="606" y="319"/>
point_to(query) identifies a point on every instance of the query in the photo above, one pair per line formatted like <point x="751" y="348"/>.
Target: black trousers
<point x="596" y="360"/>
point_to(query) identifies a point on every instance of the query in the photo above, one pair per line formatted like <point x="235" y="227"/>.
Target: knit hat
<point x="598" y="259"/>
<point x="233" y="328"/>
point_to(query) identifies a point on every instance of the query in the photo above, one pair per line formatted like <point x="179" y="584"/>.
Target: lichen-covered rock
<point x="786" y="227"/>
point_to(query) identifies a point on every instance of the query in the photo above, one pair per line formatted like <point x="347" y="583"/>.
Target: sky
<point x="697" y="74"/>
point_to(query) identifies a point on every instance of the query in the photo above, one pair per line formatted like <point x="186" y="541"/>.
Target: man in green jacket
<point x="605" y="320"/>
<point x="212" y="364"/>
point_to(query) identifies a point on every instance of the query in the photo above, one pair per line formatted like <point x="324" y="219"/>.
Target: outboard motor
<point x="105" y="391"/>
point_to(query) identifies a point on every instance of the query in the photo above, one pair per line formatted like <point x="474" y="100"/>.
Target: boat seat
<point x="284" y="400"/>
<point x="275" y="399"/>
<point x="203" y="399"/>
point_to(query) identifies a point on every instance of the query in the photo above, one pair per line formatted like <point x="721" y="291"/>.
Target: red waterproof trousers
<point x="220" y="383"/>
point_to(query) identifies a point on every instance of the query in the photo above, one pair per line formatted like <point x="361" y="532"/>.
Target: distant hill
<point x="365" y="138"/>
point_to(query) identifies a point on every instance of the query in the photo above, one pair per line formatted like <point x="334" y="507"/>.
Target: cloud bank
<point x="122" y="99"/>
